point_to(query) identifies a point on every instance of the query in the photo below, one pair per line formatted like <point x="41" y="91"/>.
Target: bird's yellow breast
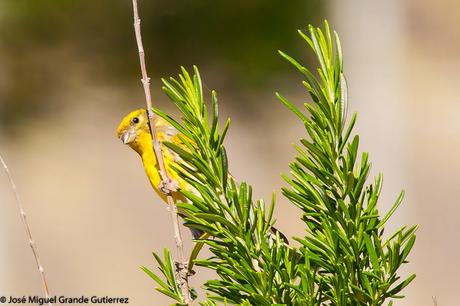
<point x="150" y="164"/>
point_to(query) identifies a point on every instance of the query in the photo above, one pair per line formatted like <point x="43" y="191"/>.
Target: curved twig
<point x="32" y="244"/>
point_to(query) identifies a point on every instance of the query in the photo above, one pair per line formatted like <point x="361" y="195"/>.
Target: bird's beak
<point x="128" y="136"/>
<point x="124" y="137"/>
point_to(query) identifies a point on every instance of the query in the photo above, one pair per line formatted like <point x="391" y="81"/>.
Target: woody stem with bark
<point x="32" y="244"/>
<point x="181" y="267"/>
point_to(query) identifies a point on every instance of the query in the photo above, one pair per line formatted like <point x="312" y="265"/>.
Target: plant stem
<point x="32" y="244"/>
<point x="181" y="267"/>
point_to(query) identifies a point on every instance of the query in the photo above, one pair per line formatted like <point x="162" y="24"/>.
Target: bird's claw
<point x="168" y="186"/>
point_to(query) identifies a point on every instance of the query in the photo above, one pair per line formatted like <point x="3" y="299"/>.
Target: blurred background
<point x="69" y="72"/>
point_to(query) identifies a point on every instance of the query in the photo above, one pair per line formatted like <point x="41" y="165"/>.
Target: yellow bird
<point x="134" y="131"/>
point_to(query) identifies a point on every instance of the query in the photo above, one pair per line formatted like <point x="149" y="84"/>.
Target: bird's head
<point x="134" y="130"/>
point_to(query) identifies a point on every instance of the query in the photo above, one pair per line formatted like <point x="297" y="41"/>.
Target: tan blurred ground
<point x="96" y="219"/>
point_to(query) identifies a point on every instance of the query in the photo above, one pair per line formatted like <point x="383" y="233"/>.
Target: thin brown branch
<point x="167" y="185"/>
<point x="32" y="244"/>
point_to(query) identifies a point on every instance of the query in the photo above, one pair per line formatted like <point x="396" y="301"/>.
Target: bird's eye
<point x="135" y="120"/>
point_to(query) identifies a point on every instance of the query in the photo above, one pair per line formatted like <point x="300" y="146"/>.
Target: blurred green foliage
<point x="46" y="44"/>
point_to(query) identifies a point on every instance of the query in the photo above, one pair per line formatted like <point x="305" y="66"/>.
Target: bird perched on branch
<point x="134" y="131"/>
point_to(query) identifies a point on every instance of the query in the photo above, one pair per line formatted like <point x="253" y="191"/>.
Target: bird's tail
<point x="197" y="234"/>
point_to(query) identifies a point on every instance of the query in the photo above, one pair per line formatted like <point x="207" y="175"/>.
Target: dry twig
<point x="32" y="244"/>
<point x="167" y="185"/>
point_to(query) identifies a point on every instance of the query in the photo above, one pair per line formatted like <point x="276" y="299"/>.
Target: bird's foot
<point x="168" y="186"/>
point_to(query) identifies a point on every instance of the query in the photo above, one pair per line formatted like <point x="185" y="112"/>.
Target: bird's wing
<point x="167" y="133"/>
